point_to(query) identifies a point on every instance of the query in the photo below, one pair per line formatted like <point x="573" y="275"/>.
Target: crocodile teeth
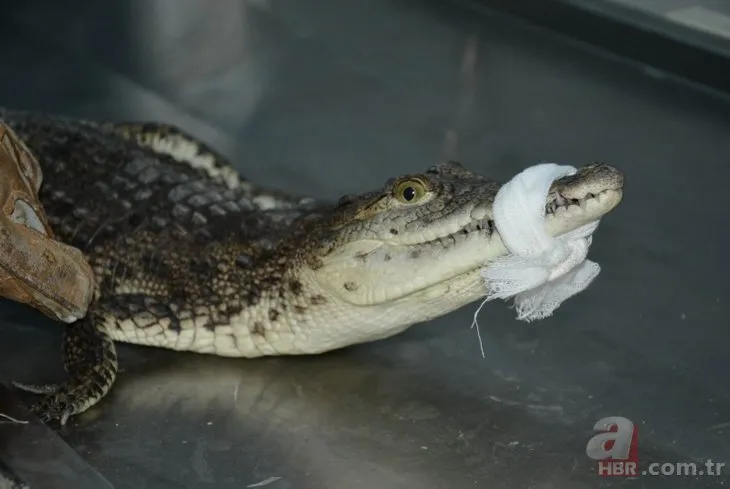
<point x="560" y="203"/>
<point x="480" y="225"/>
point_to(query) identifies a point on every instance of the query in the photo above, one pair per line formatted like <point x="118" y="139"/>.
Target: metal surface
<point x="38" y="456"/>
<point x="331" y="97"/>
<point x="655" y="43"/>
<point x="671" y="8"/>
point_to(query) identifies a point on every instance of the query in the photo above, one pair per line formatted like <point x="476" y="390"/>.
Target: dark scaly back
<point x="174" y="249"/>
<point x="150" y="224"/>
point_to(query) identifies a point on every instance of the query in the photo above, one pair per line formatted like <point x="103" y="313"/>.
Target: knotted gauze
<point x="541" y="271"/>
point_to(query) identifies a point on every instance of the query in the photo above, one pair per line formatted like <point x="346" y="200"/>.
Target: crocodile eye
<point x="410" y="191"/>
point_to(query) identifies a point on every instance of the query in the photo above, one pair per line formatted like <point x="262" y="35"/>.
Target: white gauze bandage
<point x="541" y="271"/>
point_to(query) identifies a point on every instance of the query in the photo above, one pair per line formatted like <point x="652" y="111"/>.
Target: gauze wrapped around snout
<point x="541" y="271"/>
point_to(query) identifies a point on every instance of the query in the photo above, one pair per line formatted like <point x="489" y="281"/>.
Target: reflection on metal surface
<point x="334" y="420"/>
<point x="198" y="50"/>
<point x="706" y="20"/>
<point x="36" y="455"/>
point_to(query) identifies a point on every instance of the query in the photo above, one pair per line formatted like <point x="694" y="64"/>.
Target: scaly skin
<point x="189" y="256"/>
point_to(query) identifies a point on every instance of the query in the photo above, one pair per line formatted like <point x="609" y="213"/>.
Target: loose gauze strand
<point x="541" y="271"/>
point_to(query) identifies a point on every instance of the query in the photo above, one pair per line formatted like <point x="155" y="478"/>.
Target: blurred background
<point x="326" y="97"/>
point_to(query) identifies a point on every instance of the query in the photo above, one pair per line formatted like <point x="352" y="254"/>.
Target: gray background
<point x="328" y="97"/>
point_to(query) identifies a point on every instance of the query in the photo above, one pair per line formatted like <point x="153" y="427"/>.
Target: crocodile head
<point x="413" y="249"/>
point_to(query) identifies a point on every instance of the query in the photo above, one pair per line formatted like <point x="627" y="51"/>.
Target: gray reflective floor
<point x="705" y="16"/>
<point x="711" y="16"/>
<point x="329" y="97"/>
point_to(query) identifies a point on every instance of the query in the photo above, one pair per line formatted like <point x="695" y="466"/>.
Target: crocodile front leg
<point x="90" y="361"/>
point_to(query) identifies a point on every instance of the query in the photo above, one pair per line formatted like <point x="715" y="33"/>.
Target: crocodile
<point x="188" y="255"/>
